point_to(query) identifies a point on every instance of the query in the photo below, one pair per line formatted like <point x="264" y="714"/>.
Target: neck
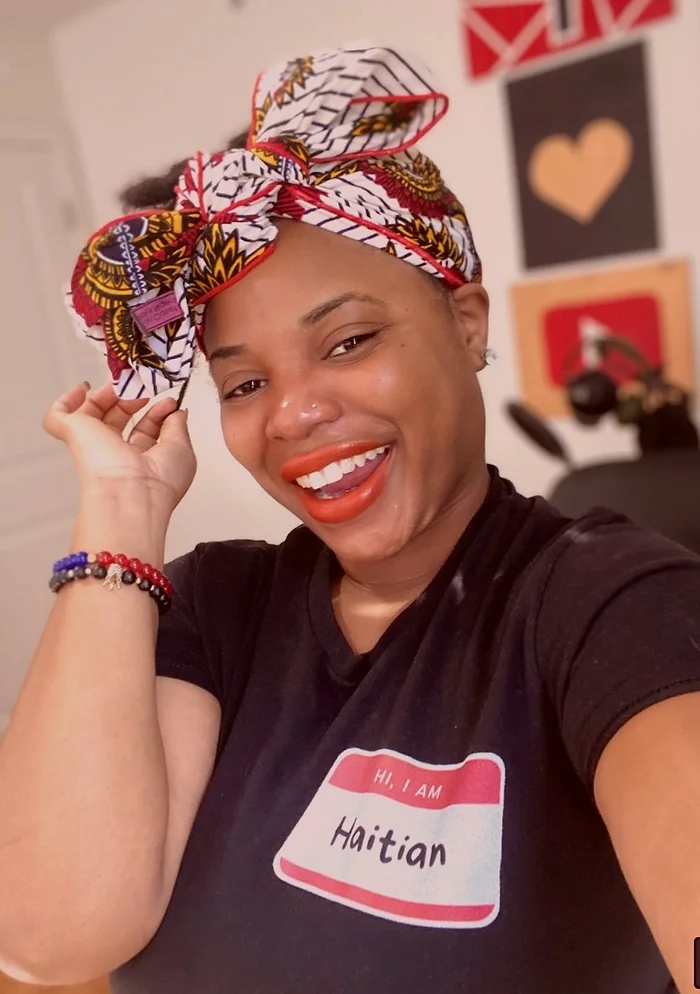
<point x="405" y="575"/>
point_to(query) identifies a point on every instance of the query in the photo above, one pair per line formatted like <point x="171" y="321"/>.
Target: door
<point x="41" y="357"/>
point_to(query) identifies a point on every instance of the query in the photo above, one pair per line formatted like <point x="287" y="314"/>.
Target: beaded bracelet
<point x="113" y="570"/>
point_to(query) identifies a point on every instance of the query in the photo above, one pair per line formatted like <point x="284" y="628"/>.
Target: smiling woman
<point x="439" y="721"/>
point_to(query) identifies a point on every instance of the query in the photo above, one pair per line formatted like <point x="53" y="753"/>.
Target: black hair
<point x="158" y="192"/>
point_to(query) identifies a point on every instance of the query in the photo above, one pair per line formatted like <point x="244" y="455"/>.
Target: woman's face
<point x="348" y="388"/>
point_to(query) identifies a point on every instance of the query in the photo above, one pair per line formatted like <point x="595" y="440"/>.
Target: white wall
<point x="148" y="83"/>
<point x="27" y="79"/>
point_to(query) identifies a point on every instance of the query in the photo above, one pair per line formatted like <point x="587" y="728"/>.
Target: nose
<point x="297" y="407"/>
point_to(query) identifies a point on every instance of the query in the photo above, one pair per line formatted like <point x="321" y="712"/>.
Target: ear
<point x="470" y="310"/>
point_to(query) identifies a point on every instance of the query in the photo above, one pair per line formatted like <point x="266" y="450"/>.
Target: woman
<point x="406" y="749"/>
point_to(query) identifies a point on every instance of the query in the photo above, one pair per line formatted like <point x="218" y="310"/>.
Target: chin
<point x="369" y="538"/>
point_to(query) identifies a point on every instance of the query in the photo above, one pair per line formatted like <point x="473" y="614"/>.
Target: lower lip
<point x="338" y="510"/>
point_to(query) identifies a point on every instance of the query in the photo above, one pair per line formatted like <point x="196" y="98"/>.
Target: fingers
<point x="68" y="403"/>
<point x="104" y="405"/>
<point x="175" y="428"/>
<point x="147" y="431"/>
<point x="101" y="404"/>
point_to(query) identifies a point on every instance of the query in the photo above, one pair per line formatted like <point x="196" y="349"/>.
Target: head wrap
<point x="331" y="145"/>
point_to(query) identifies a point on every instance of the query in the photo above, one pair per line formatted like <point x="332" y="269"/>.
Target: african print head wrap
<point x="331" y="144"/>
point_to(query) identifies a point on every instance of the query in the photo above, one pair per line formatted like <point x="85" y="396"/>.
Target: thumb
<point x="56" y="419"/>
<point x="174" y="430"/>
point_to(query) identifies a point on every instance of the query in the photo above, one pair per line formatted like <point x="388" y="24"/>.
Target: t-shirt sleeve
<point x="220" y="592"/>
<point x="180" y="649"/>
<point x="618" y="629"/>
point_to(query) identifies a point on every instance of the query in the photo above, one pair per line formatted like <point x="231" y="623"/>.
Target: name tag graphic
<point x="403" y="840"/>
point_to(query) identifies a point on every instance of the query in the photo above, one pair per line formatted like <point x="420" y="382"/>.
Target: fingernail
<point x="86" y="384"/>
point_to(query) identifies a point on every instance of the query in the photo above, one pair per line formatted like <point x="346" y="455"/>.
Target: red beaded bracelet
<point x="135" y="566"/>
<point x="113" y="570"/>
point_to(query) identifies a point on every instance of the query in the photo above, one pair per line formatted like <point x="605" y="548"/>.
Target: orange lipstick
<point x="337" y="510"/>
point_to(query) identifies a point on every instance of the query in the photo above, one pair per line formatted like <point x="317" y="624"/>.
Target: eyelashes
<point x="240" y="391"/>
<point x="359" y="340"/>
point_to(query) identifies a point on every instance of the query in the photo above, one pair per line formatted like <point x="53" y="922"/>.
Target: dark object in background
<point x="669" y="427"/>
<point x="575" y="101"/>
<point x="592" y="394"/>
<point x="537" y="431"/>
<point x="660" y="491"/>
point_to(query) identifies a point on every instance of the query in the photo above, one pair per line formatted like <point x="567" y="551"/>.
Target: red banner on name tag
<point x="477" y="782"/>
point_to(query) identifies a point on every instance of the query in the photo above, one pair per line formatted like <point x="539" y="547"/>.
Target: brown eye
<point x="350" y="344"/>
<point x="244" y="389"/>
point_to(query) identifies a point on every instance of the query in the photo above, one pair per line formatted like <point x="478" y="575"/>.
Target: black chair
<point x="661" y="491"/>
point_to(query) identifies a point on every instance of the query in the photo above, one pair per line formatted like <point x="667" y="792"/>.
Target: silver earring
<point x="489" y="357"/>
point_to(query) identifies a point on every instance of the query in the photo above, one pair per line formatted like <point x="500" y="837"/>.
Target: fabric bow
<point x="331" y="145"/>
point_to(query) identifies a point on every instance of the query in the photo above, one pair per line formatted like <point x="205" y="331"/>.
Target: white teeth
<point x="332" y="472"/>
<point x="371" y="454"/>
<point x="335" y="471"/>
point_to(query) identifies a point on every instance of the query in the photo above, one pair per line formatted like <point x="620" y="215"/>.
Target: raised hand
<point x="157" y="453"/>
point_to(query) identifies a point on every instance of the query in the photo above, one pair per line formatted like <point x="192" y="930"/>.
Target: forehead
<point x="307" y="267"/>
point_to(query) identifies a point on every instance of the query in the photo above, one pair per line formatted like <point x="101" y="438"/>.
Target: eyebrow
<point x="312" y="317"/>
<point x="328" y="306"/>
<point x="226" y="352"/>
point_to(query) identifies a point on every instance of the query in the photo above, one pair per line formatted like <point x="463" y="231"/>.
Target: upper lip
<point x="309" y="462"/>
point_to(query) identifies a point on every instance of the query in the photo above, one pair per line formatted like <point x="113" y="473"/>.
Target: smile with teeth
<point x="334" y="472"/>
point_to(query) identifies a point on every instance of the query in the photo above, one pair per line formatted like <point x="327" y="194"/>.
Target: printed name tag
<point x="402" y="840"/>
<point x="156" y="313"/>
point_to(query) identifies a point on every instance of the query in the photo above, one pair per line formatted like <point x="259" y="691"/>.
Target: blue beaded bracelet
<point x="71" y="562"/>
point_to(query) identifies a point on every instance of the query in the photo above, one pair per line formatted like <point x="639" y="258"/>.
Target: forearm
<point x="83" y="784"/>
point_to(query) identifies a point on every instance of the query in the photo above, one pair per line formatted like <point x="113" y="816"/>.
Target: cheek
<point x="387" y="389"/>
<point x="242" y="435"/>
<point x="413" y="387"/>
<point x="393" y="384"/>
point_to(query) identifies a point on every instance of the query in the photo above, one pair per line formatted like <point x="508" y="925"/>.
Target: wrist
<point x="122" y="519"/>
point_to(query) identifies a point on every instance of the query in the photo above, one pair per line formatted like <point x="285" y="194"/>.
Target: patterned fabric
<point x="331" y="144"/>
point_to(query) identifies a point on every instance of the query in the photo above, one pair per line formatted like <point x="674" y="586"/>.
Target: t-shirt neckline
<point x="346" y="666"/>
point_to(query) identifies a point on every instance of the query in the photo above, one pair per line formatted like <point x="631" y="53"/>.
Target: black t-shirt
<point x="420" y="819"/>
